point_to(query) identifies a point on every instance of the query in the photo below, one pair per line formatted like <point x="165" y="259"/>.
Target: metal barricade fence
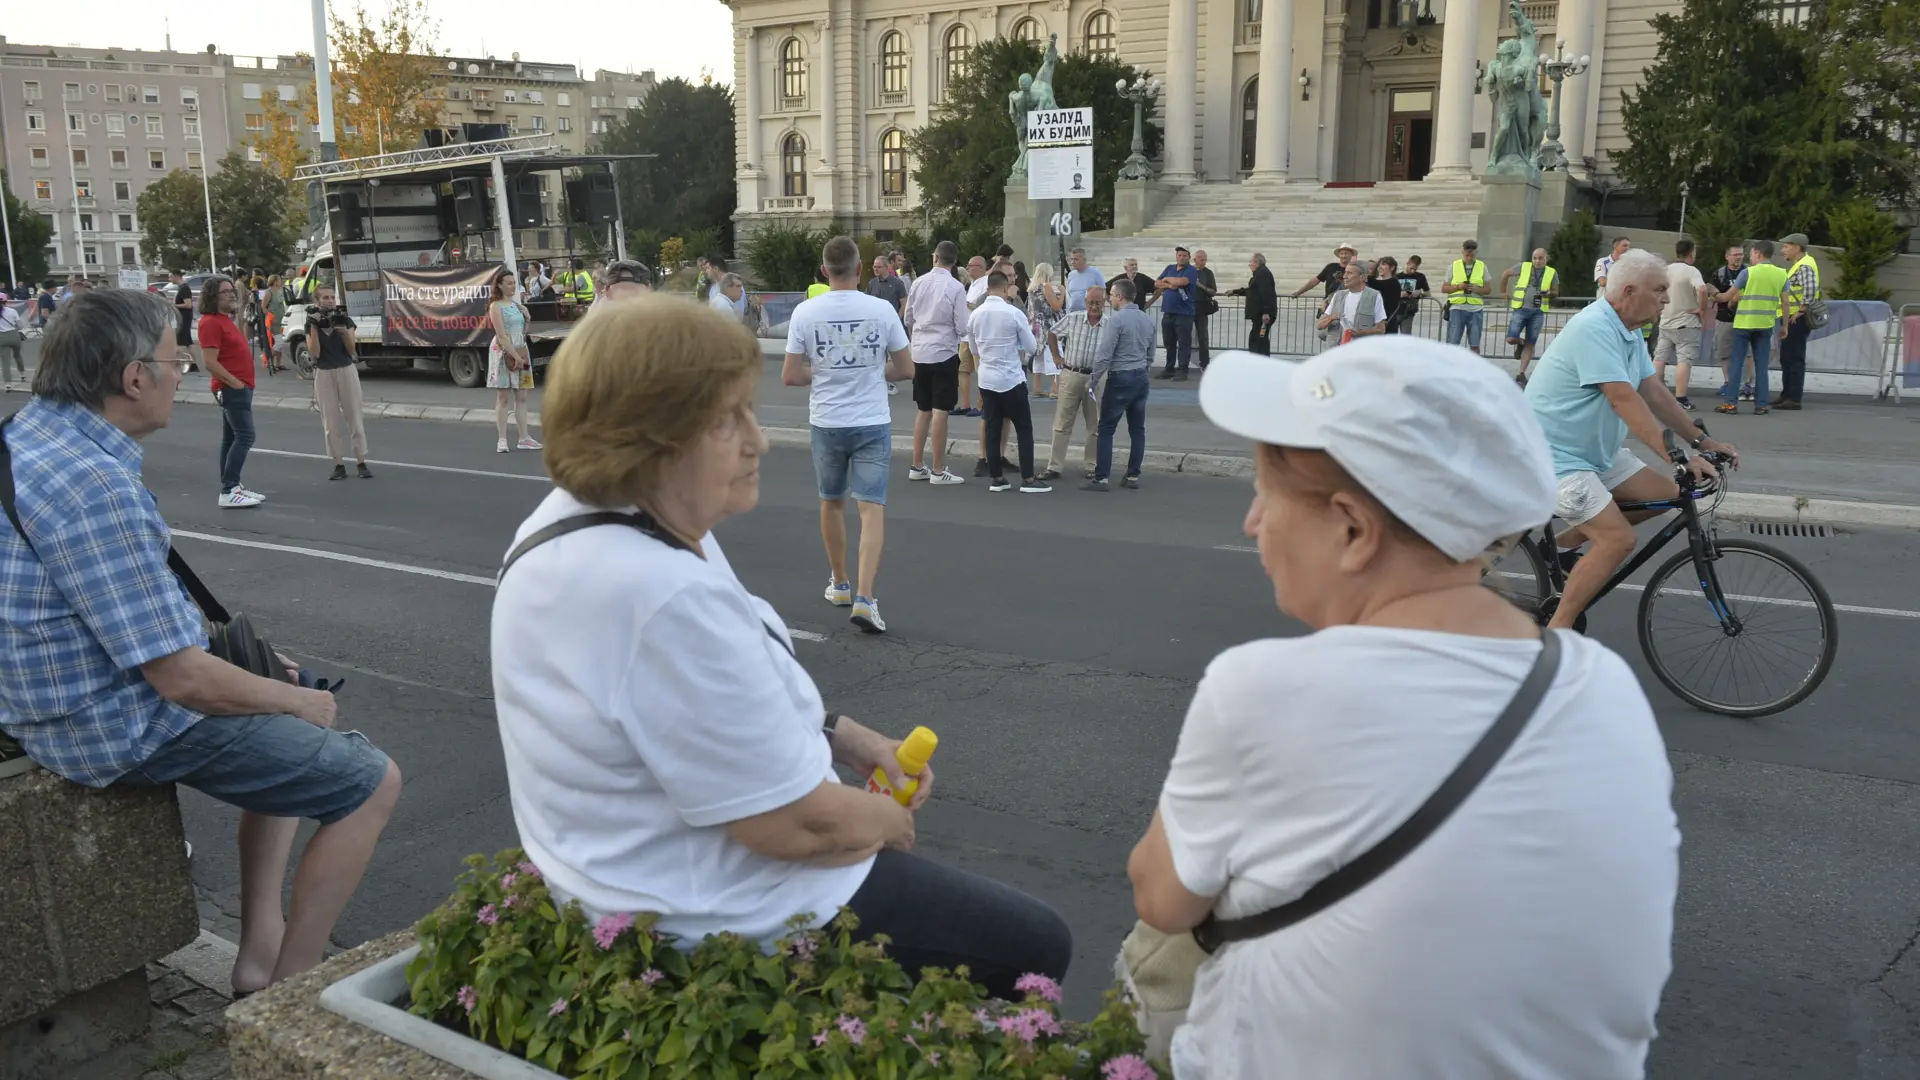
<point x="1902" y="351"/>
<point x="1293" y="332"/>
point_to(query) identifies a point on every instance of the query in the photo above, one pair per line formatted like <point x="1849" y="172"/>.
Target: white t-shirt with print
<point x="1529" y="936"/>
<point x="646" y="699"/>
<point x="847" y="336"/>
<point x="1683" y="297"/>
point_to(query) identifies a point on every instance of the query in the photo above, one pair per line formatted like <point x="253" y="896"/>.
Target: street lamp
<point x="1140" y="91"/>
<point x="1552" y="154"/>
<point x="206" y="168"/>
<point x="1683" y="205"/>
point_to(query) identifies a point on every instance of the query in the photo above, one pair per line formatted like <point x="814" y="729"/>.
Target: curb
<point x="1737" y="506"/>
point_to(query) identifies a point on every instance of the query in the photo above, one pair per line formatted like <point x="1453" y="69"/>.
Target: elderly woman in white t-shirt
<point x="1529" y="934"/>
<point x="665" y="750"/>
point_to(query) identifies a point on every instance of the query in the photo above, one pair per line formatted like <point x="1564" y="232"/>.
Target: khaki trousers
<point x="1074" y="403"/>
<point x="337" y="392"/>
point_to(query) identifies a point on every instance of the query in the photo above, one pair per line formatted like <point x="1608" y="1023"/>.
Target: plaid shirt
<point x="1800" y="289"/>
<point x="89" y="602"/>
<point x="1078" y="340"/>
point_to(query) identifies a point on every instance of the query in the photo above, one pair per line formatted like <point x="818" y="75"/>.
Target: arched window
<point x="793" y="166"/>
<point x="1027" y="29"/>
<point x="1101" y="40"/>
<point x="893" y="63"/>
<point x="893" y="163"/>
<point x="1249" y="122"/>
<point x="793" y="71"/>
<point x="959" y="44"/>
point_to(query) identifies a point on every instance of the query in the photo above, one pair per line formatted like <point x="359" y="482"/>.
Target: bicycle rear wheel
<point x="1770" y="648"/>
<point x="1520" y="576"/>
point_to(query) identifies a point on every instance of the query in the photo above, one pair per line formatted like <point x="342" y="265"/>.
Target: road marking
<point x="383" y="564"/>
<point x="539" y="479"/>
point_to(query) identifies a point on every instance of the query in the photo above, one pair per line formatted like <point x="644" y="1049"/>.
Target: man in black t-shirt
<point x="1722" y="280"/>
<point x="336" y="381"/>
<point x="183" y="305"/>
<point x="1331" y="274"/>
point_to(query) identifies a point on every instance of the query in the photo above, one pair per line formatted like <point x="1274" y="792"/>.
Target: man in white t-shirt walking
<point x="937" y="319"/>
<point x="1680" y="321"/>
<point x="847" y="346"/>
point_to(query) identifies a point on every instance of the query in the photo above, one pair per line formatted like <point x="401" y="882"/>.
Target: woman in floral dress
<point x="509" y="364"/>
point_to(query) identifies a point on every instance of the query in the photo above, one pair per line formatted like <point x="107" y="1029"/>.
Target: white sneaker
<point x="500" y="447"/>
<point x="918" y="472"/>
<point x="866" y="615"/>
<point x="238" y="500"/>
<point x="945" y="476"/>
<point x="530" y="444"/>
<point x="839" y="593"/>
<point x="245" y="490"/>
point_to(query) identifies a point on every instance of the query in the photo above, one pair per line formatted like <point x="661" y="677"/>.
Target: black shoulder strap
<point x="6" y="486"/>
<point x="1465" y="777"/>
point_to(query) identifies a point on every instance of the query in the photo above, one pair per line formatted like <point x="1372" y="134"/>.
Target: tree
<point x="385" y="89"/>
<point x="1869" y="239"/>
<point x="1572" y="251"/>
<point x="282" y="149"/>
<point x="173" y="219"/>
<point x="31" y="232"/>
<point x="963" y="157"/>
<point x="253" y="213"/>
<point x="688" y="188"/>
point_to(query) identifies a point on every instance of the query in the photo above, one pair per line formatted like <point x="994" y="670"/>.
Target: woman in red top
<point x="228" y="356"/>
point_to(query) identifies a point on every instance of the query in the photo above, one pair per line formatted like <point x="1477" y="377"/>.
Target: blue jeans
<point x="1124" y="395"/>
<point x="1465" y="321"/>
<point x="236" y="434"/>
<point x="1176" y="332"/>
<point x="1761" y="343"/>
<point x="276" y="765"/>
<point x="853" y="458"/>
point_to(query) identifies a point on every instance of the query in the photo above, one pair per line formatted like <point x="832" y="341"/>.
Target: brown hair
<point x="210" y="293"/>
<point x="1314" y="476"/>
<point x="633" y="387"/>
<point x="493" y="287"/>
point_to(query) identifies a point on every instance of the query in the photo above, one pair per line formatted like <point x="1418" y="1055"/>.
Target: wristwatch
<point x="828" y="725"/>
<point x="1695" y="443"/>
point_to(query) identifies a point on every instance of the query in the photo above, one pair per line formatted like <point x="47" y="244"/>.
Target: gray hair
<point x="1080" y="251"/>
<point x="97" y="334"/>
<point x="1638" y="267"/>
<point x="946" y="253"/>
<point x="735" y="279"/>
<point x="1259" y="258"/>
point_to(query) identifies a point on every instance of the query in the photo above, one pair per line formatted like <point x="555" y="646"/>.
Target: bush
<point x="617" y="1000"/>
<point x="1719" y="227"/>
<point x="1869" y="238"/>
<point x="784" y="255"/>
<point x="1572" y="252"/>
<point x="918" y="248"/>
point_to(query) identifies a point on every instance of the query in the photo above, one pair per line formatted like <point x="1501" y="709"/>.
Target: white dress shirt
<point x="1000" y="332"/>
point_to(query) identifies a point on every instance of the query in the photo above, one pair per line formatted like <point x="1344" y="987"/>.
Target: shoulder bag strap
<point x="6" y="486"/>
<point x="1465" y="777"/>
<point x="641" y="521"/>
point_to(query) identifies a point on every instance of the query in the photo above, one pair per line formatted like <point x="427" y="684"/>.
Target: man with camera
<point x="336" y="382"/>
<point x="105" y="677"/>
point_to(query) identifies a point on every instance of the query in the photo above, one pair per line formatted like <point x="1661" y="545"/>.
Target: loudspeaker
<point x="344" y="213"/>
<point x="470" y="204"/>
<point x="484" y="132"/>
<point x="523" y="202"/>
<point x="590" y="200"/>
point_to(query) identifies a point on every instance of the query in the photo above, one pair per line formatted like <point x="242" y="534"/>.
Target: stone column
<point x="923" y="50"/>
<point x="1575" y="24"/>
<point x="826" y="75"/>
<point x="752" y="168"/>
<point x="1183" y="75"/>
<point x="1453" y="119"/>
<point x="1273" y="125"/>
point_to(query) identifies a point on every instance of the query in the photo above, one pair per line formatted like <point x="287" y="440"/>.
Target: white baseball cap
<point x="1346" y="247"/>
<point x="1441" y="437"/>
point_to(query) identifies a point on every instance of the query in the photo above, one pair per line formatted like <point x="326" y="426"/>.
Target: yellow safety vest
<point x="1460" y="276"/>
<point x="575" y="285"/>
<point x="1526" y="276"/>
<point x="1799" y="302"/>
<point x="1760" y="300"/>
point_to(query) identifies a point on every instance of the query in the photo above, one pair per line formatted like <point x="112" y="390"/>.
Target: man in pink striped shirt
<point x="937" y="321"/>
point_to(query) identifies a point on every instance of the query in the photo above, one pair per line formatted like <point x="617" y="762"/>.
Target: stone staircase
<point x="1296" y="226"/>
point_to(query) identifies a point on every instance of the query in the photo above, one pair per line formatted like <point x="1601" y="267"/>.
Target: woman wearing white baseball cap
<point x="1419" y="840"/>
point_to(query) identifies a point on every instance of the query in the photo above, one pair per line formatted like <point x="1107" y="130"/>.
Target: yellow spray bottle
<point x="913" y="756"/>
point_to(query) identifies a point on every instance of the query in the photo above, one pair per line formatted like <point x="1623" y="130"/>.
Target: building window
<point x="113" y="92"/>
<point x="510" y="95"/>
<point x="793" y="71"/>
<point x="86" y="222"/>
<point x="193" y="159"/>
<point x="1101" y="40"/>
<point x="253" y="153"/>
<point x="150" y="95"/>
<point x="893" y="163"/>
<point x="133" y="94"/>
<point x="599" y="127"/>
<point x="1792" y="12"/>
<point x="1027" y="29"/>
<point x="893" y="63"/>
<point x="123" y="222"/>
<point x="959" y="44"/>
<point x="43" y="189"/>
<point x="190" y="125"/>
<point x="190" y="97"/>
<point x="128" y="257"/>
<point x="36" y="121"/>
<point x="157" y="159"/>
<point x="566" y="123"/>
<point x="633" y="102"/>
<point x="539" y="123"/>
<point x="83" y="189"/>
<point x="79" y="157"/>
<point x="250" y="91"/>
<point x="116" y="124"/>
<point x="71" y="91"/>
<point x="793" y="166"/>
<point x="117" y="158"/>
<point x="91" y="254"/>
<point x="30" y="92"/>
<point x="1249" y="122"/>
<point x="76" y="123"/>
<point x="38" y="155"/>
<point x="123" y="191"/>
<point x="154" y="126"/>
<point x="565" y="99"/>
<point x="536" y="97"/>
<point x="513" y="124"/>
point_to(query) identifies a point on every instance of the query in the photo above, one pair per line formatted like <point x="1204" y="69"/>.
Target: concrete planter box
<point x="368" y="997"/>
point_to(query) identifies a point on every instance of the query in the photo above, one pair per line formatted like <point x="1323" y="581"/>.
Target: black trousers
<point x="937" y="916"/>
<point x="1260" y="338"/>
<point x="1793" y="360"/>
<point x="1200" y="347"/>
<point x="998" y="407"/>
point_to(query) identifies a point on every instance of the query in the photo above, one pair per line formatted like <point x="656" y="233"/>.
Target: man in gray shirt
<point x="1121" y="367"/>
<point x="1080" y="278"/>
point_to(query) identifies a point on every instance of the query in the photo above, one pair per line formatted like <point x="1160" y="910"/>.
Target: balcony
<point x="1542" y="12"/>
<point x="481" y="105"/>
<point x="1247" y="33"/>
<point x="790" y="202"/>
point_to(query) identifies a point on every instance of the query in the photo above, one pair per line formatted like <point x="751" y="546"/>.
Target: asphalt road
<point x="1053" y="642"/>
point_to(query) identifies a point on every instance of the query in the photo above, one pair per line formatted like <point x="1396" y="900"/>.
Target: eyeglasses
<point x="184" y="366"/>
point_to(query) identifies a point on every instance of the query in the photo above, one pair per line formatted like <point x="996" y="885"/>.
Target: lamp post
<point x="1552" y="154"/>
<point x="1140" y="91"/>
<point x="1683" y="205"/>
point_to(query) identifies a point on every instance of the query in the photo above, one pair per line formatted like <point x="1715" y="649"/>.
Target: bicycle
<point x="1734" y="638"/>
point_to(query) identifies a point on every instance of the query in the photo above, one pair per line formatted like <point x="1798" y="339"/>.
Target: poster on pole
<point x="1060" y="127"/>
<point x="1060" y="172"/>
<point x="437" y="305"/>
<point x="133" y="278"/>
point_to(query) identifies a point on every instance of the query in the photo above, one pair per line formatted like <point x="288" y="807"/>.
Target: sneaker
<point x="249" y="493"/>
<point x="959" y="410"/>
<point x="238" y="500"/>
<point x="893" y="389"/>
<point x="1130" y="482"/>
<point x="530" y="444"/>
<point x="500" y="447"/>
<point x="1180" y="376"/>
<point x="839" y="593"/>
<point x="1050" y="474"/>
<point x="1094" y="485"/>
<point x="944" y="477"/>
<point x="1746" y="392"/>
<point x="918" y="472"/>
<point x="365" y="473"/>
<point x="980" y="467"/>
<point x="1521" y="379"/>
<point x="975" y="412"/>
<point x="1034" y="487"/>
<point x="339" y="473"/>
<point x="866" y="615"/>
<point x="1727" y="407"/>
<point x="1000" y="484"/>
<point x="1761" y="410"/>
<point x="1787" y="404"/>
<point x="1685" y="403"/>
<point x="1168" y="374"/>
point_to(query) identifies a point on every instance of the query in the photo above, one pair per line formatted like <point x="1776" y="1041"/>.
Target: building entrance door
<point x="1409" y="134"/>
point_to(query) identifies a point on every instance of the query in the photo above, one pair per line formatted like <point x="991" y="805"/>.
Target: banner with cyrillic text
<point x="437" y="305"/>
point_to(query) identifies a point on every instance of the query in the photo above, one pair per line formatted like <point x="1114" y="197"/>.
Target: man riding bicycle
<point x="1593" y="386"/>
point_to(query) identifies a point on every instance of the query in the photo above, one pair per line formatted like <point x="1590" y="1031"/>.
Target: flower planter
<point x="369" y="998"/>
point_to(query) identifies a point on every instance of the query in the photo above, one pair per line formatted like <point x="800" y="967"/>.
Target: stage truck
<point x="410" y="242"/>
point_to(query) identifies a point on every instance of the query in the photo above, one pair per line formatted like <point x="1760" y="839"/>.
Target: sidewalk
<point x="187" y="1039"/>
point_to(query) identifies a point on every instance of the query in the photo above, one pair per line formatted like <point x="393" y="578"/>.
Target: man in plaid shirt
<point x="104" y="674"/>
<point x="1076" y="335"/>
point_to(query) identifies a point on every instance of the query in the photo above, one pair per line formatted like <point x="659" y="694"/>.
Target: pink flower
<point x="1128" y="1067"/>
<point x="507" y="879"/>
<point x="652" y="975"/>
<point x="820" y="1039"/>
<point x="508" y="902"/>
<point x="854" y="1029"/>
<point x="1040" y="985"/>
<point x="467" y="998"/>
<point x="1030" y="1024"/>
<point x="489" y="915"/>
<point x="980" y="1016"/>
<point x="803" y="947"/>
<point x="610" y="927"/>
<point x="559" y="1006"/>
<point x="528" y="869"/>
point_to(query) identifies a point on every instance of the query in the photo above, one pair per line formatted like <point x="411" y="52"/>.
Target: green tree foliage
<point x="1572" y="251"/>
<point x="31" y="234"/>
<point x="687" y="190"/>
<point x="783" y="255"/>
<point x="1720" y="226"/>
<point x="173" y="221"/>
<point x="1869" y="238"/>
<point x="961" y="159"/>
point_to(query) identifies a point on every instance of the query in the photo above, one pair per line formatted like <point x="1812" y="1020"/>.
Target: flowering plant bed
<point x="617" y="1000"/>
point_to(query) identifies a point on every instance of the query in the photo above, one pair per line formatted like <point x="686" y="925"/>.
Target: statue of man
<point x="1034" y="95"/>
<point x="1519" y="111"/>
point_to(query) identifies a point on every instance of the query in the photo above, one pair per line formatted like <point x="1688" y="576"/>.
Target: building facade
<point x="1298" y="91"/>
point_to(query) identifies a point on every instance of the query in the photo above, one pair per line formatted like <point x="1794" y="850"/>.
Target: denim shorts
<point x="856" y="457"/>
<point x="1524" y="325"/>
<point x="277" y="765"/>
<point x="1465" y="320"/>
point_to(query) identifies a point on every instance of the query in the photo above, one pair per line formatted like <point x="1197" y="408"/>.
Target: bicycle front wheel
<point x="1766" y="645"/>
<point x="1520" y="576"/>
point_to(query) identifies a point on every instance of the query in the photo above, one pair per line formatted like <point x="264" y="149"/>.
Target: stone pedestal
<point x="1027" y="225"/>
<point x="1508" y="207"/>
<point x="1137" y="202"/>
<point x="1560" y="196"/>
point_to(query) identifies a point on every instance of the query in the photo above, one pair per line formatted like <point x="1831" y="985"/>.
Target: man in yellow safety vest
<point x="1466" y="284"/>
<point x="1756" y="294"/>
<point x="1803" y="288"/>
<point x="1533" y="283"/>
<point x="575" y="284"/>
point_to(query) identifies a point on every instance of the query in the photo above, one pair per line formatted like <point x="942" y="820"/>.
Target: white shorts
<point x="1583" y="494"/>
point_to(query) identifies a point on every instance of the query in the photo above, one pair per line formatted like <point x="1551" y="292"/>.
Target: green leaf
<point x="672" y="1048"/>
